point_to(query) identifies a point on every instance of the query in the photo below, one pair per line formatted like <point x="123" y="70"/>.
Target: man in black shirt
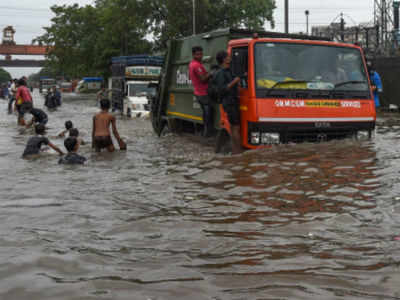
<point x="72" y="158"/>
<point x="50" y="102"/>
<point x="35" y="143"/>
<point x="228" y="91"/>
<point x="38" y="117"/>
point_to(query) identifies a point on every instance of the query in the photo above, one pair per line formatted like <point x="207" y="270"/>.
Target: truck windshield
<point x="141" y="89"/>
<point x="309" y="67"/>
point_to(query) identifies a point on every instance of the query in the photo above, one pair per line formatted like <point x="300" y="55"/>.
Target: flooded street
<point x="169" y="219"/>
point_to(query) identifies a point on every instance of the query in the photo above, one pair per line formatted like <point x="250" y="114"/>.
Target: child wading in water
<point x="72" y="158"/>
<point x="68" y="127"/>
<point x="101" y="137"/>
<point x="36" y="142"/>
<point x="38" y="117"/>
<point x="74" y="132"/>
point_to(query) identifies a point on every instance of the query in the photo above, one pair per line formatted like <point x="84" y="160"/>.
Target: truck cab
<point x="133" y="83"/>
<point x="293" y="88"/>
<point x="45" y="84"/>
<point x="299" y="90"/>
<point x="138" y="93"/>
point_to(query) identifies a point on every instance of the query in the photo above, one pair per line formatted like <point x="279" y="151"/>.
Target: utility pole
<point x="384" y="22"/>
<point x="194" y="17"/>
<point x="396" y="5"/>
<point x="396" y="36"/>
<point x="286" y="16"/>
<point x="307" y="12"/>
<point x="341" y="27"/>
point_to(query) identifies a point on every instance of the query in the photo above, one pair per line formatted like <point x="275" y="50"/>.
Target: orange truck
<point x="294" y="88"/>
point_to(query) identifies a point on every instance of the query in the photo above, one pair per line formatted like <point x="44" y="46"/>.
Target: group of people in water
<point x="101" y="135"/>
<point x="226" y="85"/>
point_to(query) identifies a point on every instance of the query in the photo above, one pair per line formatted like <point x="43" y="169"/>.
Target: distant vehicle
<point x="89" y="85"/>
<point x="293" y="88"/>
<point x="136" y="102"/>
<point x="45" y="83"/>
<point x="66" y="87"/>
<point x="133" y="83"/>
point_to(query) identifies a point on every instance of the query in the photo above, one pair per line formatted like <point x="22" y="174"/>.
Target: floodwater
<point x="168" y="219"/>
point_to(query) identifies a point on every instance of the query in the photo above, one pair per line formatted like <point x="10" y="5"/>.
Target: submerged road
<point x="169" y="219"/>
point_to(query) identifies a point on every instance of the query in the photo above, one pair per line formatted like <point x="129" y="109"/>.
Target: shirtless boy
<point x="101" y="137"/>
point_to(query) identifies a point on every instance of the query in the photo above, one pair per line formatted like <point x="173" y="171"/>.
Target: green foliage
<point x="174" y="19"/>
<point x="83" y="39"/>
<point x="4" y="76"/>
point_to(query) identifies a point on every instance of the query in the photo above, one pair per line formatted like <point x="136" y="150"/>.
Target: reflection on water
<point x="169" y="219"/>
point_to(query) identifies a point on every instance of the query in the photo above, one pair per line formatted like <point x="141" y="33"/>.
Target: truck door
<point x="239" y="64"/>
<point x="240" y="67"/>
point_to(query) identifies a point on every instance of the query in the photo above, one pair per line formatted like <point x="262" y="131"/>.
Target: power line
<point x="330" y="8"/>
<point x="25" y="9"/>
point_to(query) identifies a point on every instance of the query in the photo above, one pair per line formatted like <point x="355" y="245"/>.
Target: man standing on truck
<point x="376" y="82"/>
<point x="228" y="91"/>
<point x="199" y="77"/>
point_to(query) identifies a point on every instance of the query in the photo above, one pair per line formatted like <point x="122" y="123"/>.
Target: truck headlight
<point x="255" y="138"/>
<point x="270" y="138"/>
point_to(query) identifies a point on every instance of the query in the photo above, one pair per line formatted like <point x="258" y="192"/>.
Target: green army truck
<point x="283" y="94"/>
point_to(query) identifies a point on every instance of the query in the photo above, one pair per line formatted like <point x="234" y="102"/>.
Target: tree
<point x="4" y="76"/>
<point x="123" y="29"/>
<point x="72" y="38"/>
<point x="167" y="22"/>
<point x="83" y="39"/>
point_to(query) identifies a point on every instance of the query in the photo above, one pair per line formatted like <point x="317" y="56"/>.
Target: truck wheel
<point x="223" y="142"/>
<point x="158" y="125"/>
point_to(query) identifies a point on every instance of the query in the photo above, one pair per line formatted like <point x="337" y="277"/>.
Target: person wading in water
<point x="101" y="137"/>
<point x="228" y="86"/>
<point x="23" y="101"/>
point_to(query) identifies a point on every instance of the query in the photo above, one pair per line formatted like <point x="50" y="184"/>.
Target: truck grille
<point x="310" y="132"/>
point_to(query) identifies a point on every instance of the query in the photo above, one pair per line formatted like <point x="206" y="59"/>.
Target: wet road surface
<point x="169" y="219"/>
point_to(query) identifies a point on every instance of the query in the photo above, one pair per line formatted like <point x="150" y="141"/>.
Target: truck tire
<point x="157" y="123"/>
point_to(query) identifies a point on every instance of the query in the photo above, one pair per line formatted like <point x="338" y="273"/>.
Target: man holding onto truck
<point x="376" y="82"/>
<point x="199" y="77"/>
<point x="228" y="91"/>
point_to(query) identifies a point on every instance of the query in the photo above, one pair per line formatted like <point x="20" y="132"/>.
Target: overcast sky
<point x="322" y="12"/>
<point x="28" y="17"/>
